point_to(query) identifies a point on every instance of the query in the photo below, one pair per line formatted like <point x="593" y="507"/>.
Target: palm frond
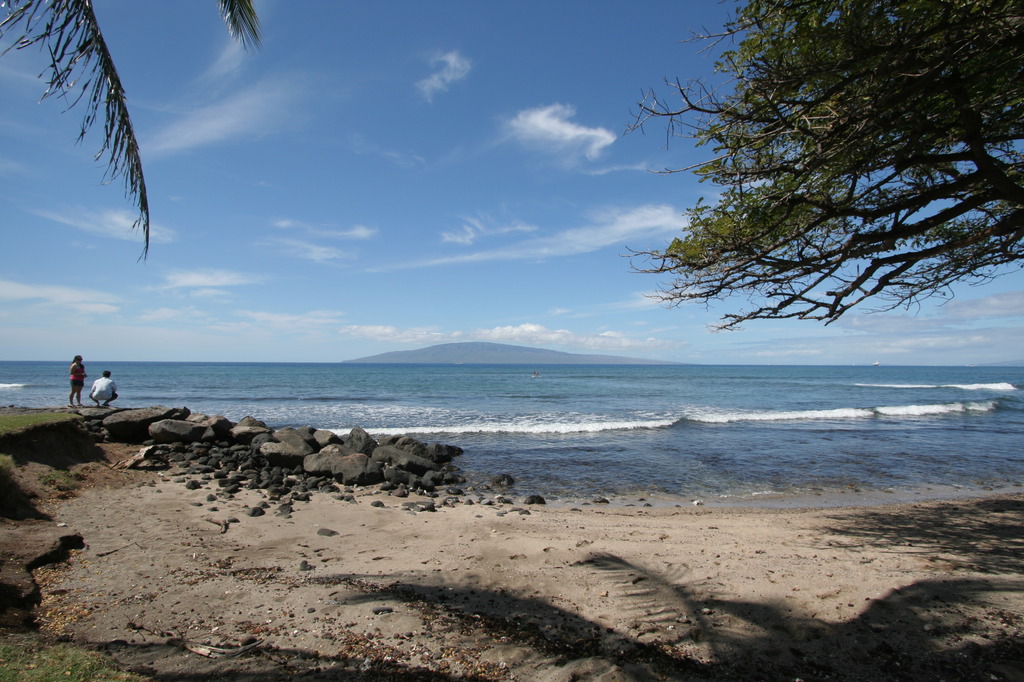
<point x="242" y="21"/>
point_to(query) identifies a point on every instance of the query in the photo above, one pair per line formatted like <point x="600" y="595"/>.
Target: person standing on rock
<point x="103" y="389"/>
<point x="78" y="375"/>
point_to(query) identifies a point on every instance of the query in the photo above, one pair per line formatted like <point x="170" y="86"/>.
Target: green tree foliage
<point x="865" y="148"/>
<point x="69" y="33"/>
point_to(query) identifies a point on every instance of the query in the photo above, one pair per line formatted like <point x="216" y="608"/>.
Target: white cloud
<point x="228" y="62"/>
<point x="610" y="227"/>
<point x="79" y="299"/>
<point x="168" y="314"/>
<point x="1007" y="304"/>
<point x="314" y="320"/>
<point x="317" y="253"/>
<point x="419" y="335"/>
<point x="549" y="129"/>
<point x="603" y="341"/>
<point x="250" y="113"/>
<point x="354" y="232"/>
<point x="473" y="228"/>
<point x="116" y="224"/>
<point x="207" y="279"/>
<point x="453" y="67"/>
<point x="524" y="334"/>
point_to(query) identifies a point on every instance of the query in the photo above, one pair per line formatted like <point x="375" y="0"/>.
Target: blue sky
<point x="388" y="176"/>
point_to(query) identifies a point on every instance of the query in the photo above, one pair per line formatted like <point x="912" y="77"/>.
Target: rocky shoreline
<point x="174" y="576"/>
<point x="290" y="464"/>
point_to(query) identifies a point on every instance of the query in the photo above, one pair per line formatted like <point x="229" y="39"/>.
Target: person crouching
<point x="103" y="389"/>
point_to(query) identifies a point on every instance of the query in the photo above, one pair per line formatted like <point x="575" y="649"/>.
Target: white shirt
<point x="103" y="389"/>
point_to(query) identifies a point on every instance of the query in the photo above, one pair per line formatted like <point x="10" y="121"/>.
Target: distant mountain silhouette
<point x="480" y="353"/>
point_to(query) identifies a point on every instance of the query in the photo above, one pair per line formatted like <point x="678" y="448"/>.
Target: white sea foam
<point x="925" y="410"/>
<point x="1002" y="386"/>
<point x="9" y="386"/>
<point x="726" y="417"/>
<point x="530" y="427"/>
<point x="846" y="413"/>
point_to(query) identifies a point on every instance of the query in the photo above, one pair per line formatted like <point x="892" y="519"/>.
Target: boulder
<point x="397" y="457"/>
<point x="439" y="454"/>
<point x="252" y="421"/>
<point x="359" y="440"/>
<point x="411" y="445"/>
<point x="324" y="438"/>
<point x="282" y="455"/>
<point x="132" y="426"/>
<point x="221" y="425"/>
<point x="300" y="441"/>
<point x="349" y="469"/>
<point x="245" y="433"/>
<point x="503" y="480"/>
<point x="180" y="431"/>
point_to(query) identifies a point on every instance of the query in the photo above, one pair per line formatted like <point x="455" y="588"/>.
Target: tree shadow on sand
<point x="965" y="624"/>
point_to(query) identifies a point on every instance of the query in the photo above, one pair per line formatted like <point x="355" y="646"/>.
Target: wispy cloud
<point x="354" y="232"/>
<point x="313" y="320"/>
<point x="451" y="67"/>
<point x="253" y="112"/>
<point x="78" y="299"/>
<point x="1007" y="304"/>
<point x="113" y="223"/>
<point x="417" y="335"/>
<point x="601" y="341"/>
<point x="364" y="147"/>
<point x="609" y="227"/>
<point x="550" y="130"/>
<point x="474" y="228"/>
<point x="9" y="167"/>
<point x="318" y="253"/>
<point x="525" y="334"/>
<point x="228" y="63"/>
<point x="207" y="279"/>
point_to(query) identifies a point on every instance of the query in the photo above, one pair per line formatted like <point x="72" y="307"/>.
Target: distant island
<point x="481" y="353"/>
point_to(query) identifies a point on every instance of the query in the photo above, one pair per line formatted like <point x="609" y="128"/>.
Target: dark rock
<point x="179" y="431"/>
<point x="282" y="454"/>
<point x="132" y="426"/>
<point x="245" y="433"/>
<point x="503" y="480"/>
<point x="442" y="454"/>
<point x="221" y="425"/>
<point x="349" y="469"/>
<point x="299" y="441"/>
<point x="534" y="499"/>
<point x="324" y="438"/>
<point x="252" y="421"/>
<point x="395" y="456"/>
<point x="359" y="440"/>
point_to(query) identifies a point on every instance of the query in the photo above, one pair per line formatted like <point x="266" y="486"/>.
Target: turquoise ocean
<point x="742" y="435"/>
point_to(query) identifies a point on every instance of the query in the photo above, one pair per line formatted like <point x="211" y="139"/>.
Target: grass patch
<point x="58" y="662"/>
<point x="16" y="422"/>
<point x="58" y="479"/>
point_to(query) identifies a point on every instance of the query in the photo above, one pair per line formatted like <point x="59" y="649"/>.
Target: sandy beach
<point x="186" y="584"/>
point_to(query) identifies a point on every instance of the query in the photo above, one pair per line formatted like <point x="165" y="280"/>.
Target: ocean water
<point x="770" y="435"/>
